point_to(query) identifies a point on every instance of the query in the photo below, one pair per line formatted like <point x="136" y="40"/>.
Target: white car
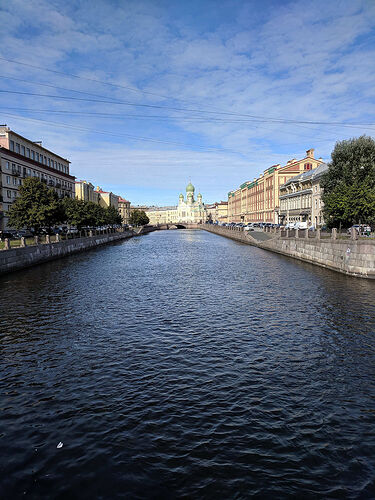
<point x="300" y="225"/>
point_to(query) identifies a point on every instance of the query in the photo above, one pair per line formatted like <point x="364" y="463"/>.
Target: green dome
<point x="190" y="188"/>
<point x="181" y="195"/>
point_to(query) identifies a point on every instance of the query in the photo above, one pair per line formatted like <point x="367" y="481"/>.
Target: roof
<point x="10" y="131"/>
<point x="309" y="174"/>
<point x="122" y="200"/>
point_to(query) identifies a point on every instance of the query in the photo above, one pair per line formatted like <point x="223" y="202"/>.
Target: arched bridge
<point x="179" y="225"/>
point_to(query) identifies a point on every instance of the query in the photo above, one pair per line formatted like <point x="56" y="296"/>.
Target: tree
<point x="76" y="213"/>
<point x="36" y="207"/>
<point x="138" y="218"/>
<point x="349" y="183"/>
<point x="112" y="216"/>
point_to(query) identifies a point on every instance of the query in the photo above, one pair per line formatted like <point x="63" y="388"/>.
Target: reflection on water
<point x="183" y="364"/>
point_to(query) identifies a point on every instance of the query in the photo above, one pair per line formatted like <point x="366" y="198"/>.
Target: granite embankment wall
<point x="22" y="257"/>
<point x="351" y="257"/>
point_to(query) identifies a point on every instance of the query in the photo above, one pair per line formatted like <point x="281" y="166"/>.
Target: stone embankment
<point x="17" y="258"/>
<point x="351" y="256"/>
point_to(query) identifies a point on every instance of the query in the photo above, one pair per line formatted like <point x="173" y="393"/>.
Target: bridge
<point x="178" y="225"/>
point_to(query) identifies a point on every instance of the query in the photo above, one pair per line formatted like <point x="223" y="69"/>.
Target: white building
<point x="188" y="210"/>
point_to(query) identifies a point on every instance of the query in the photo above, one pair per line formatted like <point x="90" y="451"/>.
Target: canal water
<point x="185" y="365"/>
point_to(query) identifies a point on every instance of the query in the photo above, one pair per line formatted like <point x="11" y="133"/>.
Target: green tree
<point x="36" y="207"/>
<point x="75" y="212"/>
<point x="349" y="183"/>
<point x="138" y="218"/>
<point x="112" y="216"/>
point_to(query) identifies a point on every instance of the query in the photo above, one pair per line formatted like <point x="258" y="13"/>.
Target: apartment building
<point x="21" y="158"/>
<point x="85" y="191"/>
<point x="258" y="200"/>
<point x="124" y="210"/>
<point x="107" y="198"/>
<point x="218" y="211"/>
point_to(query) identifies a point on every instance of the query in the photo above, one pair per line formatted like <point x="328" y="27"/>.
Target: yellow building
<point x="217" y="212"/>
<point x="85" y="191"/>
<point x="107" y="198"/>
<point x="258" y="200"/>
<point x="162" y="215"/>
<point x="124" y="210"/>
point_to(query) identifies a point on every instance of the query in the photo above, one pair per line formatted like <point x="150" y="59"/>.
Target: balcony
<point x="51" y="182"/>
<point x="16" y="172"/>
<point x="58" y="184"/>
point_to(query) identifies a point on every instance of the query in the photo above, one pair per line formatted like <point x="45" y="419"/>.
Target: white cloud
<point x="300" y="60"/>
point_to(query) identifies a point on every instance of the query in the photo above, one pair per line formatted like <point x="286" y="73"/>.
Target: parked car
<point x="248" y="228"/>
<point x="300" y="225"/>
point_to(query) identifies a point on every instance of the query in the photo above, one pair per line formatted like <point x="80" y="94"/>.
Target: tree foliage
<point x="138" y="218"/>
<point x="36" y="206"/>
<point x="39" y="207"/>
<point x="112" y="216"/>
<point x="349" y="183"/>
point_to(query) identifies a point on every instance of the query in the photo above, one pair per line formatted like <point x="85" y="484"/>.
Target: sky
<point x="144" y="96"/>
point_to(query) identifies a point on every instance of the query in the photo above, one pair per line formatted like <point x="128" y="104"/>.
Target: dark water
<point x="185" y="365"/>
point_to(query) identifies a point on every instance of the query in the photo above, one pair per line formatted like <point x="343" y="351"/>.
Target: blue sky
<point x="210" y="91"/>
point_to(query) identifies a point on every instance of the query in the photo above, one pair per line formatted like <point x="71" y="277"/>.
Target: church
<point x="188" y="209"/>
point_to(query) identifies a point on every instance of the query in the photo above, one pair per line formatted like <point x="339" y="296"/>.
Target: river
<point x="185" y="365"/>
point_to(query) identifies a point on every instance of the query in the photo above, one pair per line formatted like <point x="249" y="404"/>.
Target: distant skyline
<point x="145" y="96"/>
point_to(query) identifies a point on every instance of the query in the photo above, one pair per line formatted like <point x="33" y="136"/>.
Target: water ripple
<point x="182" y="364"/>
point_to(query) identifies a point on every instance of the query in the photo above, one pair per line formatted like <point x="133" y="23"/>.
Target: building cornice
<point x="35" y="163"/>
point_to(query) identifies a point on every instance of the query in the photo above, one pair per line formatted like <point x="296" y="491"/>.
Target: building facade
<point x="107" y="198"/>
<point x="124" y="210"/>
<point x="258" y="200"/>
<point x="84" y="190"/>
<point x="21" y="158"/>
<point x="217" y="212"/>
<point x="300" y="198"/>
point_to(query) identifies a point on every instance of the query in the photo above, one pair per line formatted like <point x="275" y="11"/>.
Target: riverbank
<point x="17" y="258"/>
<point x="352" y="257"/>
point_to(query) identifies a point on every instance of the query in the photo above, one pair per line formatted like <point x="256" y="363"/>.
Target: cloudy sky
<point x="142" y="96"/>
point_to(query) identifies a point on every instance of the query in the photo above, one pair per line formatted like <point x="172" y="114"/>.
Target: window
<point x="45" y="160"/>
<point x="7" y="165"/>
<point x="8" y="179"/>
<point x="23" y="150"/>
<point x="32" y="155"/>
<point x="11" y="145"/>
<point x="17" y="147"/>
<point x="15" y="181"/>
<point x="9" y="193"/>
<point x="28" y="152"/>
<point x="37" y="156"/>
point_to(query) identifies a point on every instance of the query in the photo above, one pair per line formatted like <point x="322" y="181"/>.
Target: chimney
<point x="38" y="142"/>
<point x="310" y="153"/>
